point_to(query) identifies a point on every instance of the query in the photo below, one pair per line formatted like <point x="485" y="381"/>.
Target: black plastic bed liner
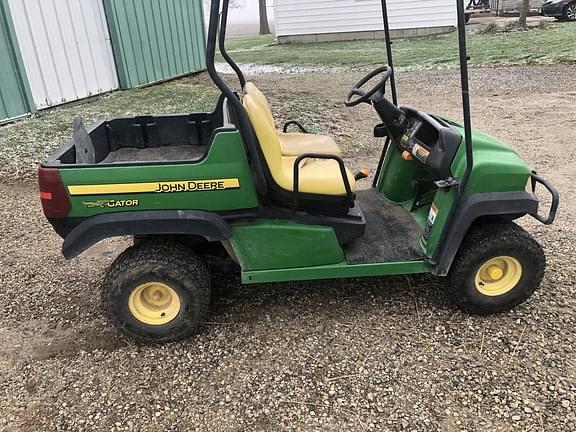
<point x="184" y="152"/>
<point x="391" y="233"/>
<point x="152" y="138"/>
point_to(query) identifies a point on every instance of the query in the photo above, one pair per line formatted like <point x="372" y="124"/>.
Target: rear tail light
<point x="55" y="201"/>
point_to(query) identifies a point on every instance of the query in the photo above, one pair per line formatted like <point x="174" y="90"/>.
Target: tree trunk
<point x="264" y="27"/>
<point x="524" y="9"/>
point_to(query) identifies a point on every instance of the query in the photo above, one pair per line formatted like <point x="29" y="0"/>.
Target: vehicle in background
<point x="485" y="4"/>
<point x="560" y="9"/>
<point x="476" y="6"/>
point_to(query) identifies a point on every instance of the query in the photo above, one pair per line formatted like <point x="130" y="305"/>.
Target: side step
<point x="347" y="228"/>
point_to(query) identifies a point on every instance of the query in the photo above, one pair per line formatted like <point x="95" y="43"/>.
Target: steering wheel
<point x="357" y="95"/>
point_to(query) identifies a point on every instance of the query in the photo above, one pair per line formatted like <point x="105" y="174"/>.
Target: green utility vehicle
<point x="284" y="206"/>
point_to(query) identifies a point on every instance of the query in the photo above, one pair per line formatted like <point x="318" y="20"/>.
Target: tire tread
<point x="181" y="263"/>
<point x="486" y="236"/>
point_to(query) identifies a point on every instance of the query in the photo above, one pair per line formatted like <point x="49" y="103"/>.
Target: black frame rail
<point x="534" y="181"/>
<point x="294" y="123"/>
<point x="296" y="189"/>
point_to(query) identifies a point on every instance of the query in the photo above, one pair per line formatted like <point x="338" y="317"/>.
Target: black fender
<point x="165" y="222"/>
<point x="496" y="204"/>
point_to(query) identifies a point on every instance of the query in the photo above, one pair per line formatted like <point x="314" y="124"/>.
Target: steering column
<point x="392" y="116"/>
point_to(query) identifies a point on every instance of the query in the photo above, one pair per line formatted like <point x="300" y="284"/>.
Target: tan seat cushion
<point x="296" y="144"/>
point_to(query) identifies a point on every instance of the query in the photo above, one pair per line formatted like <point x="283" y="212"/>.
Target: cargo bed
<point x="141" y="139"/>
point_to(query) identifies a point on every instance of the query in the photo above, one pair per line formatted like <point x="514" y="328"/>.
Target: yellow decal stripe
<point x="160" y="187"/>
<point x="112" y="189"/>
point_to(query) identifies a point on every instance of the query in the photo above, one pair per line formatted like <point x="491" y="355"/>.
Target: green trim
<point x="14" y="48"/>
<point x="336" y="271"/>
<point x="4" y="121"/>
<point x="226" y="156"/>
<point x="280" y="244"/>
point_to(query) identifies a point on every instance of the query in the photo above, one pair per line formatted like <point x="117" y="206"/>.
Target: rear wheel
<point x="498" y="267"/>
<point x="570" y="12"/>
<point x="157" y="291"/>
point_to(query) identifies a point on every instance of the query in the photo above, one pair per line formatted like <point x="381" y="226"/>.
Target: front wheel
<point x="157" y="292"/>
<point x="498" y="267"/>
<point x="570" y="12"/>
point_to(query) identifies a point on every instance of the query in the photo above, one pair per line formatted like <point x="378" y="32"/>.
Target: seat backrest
<point x="259" y="97"/>
<point x="267" y="137"/>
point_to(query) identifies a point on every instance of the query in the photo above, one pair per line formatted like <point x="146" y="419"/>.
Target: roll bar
<point x="465" y="91"/>
<point x="389" y="56"/>
<point x="222" y="44"/>
<point x="244" y="125"/>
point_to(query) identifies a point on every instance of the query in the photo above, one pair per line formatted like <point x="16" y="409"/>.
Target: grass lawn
<point x="538" y="46"/>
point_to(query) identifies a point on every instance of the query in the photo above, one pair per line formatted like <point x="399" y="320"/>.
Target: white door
<point x="66" y="49"/>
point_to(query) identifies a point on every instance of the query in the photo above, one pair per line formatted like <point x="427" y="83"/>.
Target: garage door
<point x="66" y="49"/>
<point x="156" y="40"/>
<point x="14" y="100"/>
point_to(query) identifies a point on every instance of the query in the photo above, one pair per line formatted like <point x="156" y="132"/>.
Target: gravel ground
<point x="375" y="354"/>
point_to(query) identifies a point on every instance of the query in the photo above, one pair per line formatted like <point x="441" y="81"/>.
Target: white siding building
<point x="66" y="49"/>
<point x="58" y="51"/>
<point x="301" y="21"/>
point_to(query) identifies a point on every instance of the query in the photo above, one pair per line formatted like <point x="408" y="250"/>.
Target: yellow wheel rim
<point x="154" y="303"/>
<point x="498" y="276"/>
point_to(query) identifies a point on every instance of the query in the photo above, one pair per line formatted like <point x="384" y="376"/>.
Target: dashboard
<point x="431" y="141"/>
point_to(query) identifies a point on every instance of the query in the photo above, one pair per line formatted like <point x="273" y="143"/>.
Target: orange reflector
<point x="407" y="156"/>
<point x="46" y="196"/>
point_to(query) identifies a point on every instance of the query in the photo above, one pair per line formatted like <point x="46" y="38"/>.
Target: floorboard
<point x="391" y="233"/>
